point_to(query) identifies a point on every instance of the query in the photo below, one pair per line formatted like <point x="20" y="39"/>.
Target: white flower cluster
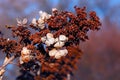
<point x="58" y="44"/>
<point x="22" y="22"/>
<point x="40" y="23"/>
<point x="48" y="39"/>
<point x="58" y="53"/>
<point x="25" y="55"/>
<point x="60" y="41"/>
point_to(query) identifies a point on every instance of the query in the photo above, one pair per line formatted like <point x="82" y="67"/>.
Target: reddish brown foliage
<point x="74" y="26"/>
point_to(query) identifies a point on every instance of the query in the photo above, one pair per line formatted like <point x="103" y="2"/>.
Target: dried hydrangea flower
<point x="72" y="26"/>
<point x="60" y="41"/>
<point x="40" y="23"/>
<point x="25" y="55"/>
<point x="25" y="51"/>
<point x="22" y="22"/>
<point x="58" y="53"/>
<point x="34" y="22"/>
<point x="49" y="35"/>
<point x="63" y="38"/>
<point x="52" y="52"/>
<point x="42" y="19"/>
<point x="59" y="44"/>
<point x="48" y="39"/>
<point x="44" y="15"/>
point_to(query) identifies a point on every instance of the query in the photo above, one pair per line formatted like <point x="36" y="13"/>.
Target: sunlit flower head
<point x="25" y="51"/>
<point x="48" y="39"/>
<point x="60" y="41"/>
<point x="25" y="55"/>
<point x="44" y="15"/>
<point x="58" y="53"/>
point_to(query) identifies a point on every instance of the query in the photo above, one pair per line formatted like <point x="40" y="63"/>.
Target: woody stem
<point x="7" y="62"/>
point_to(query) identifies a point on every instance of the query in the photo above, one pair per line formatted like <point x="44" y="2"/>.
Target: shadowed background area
<point x="101" y="58"/>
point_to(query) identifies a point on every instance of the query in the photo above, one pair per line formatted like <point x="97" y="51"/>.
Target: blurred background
<point x="101" y="58"/>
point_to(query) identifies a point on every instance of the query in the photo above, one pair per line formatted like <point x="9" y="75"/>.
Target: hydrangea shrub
<point x="51" y="51"/>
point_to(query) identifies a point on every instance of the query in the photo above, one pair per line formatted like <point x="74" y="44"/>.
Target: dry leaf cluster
<point x="37" y="64"/>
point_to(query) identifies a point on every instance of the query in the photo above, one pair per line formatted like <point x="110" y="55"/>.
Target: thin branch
<point x="7" y="62"/>
<point x="1" y="73"/>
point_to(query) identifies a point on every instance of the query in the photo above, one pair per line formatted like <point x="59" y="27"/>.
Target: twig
<point x="7" y="62"/>
<point x="1" y="73"/>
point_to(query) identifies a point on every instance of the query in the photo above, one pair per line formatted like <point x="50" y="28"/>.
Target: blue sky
<point x="34" y="6"/>
<point x="114" y="2"/>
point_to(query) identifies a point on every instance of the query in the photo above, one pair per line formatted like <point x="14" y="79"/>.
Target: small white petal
<point x="25" y="21"/>
<point x="51" y="40"/>
<point x="25" y="51"/>
<point x="47" y="43"/>
<point x="48" y="16"/>
<point x="34" y="22"/>
<point x="59" y="44"/>
<point x="63" y="38"/>
<point x="43" y="39"/>
<point x="40" y="21"/>
<point x="58" y="55"/>
<point x="63" y="52"/>
<point x="52" y="52"/>
<point x="44" y="15"/>
<point x="41" y="26"/>
<point x="49" y="35"/>
<point x="54" y="9"/>
<point x="66" y="51"/>
<point x="18" y="21"/>
<point x="48" y="39"/>
<point x="56" y="39"/>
